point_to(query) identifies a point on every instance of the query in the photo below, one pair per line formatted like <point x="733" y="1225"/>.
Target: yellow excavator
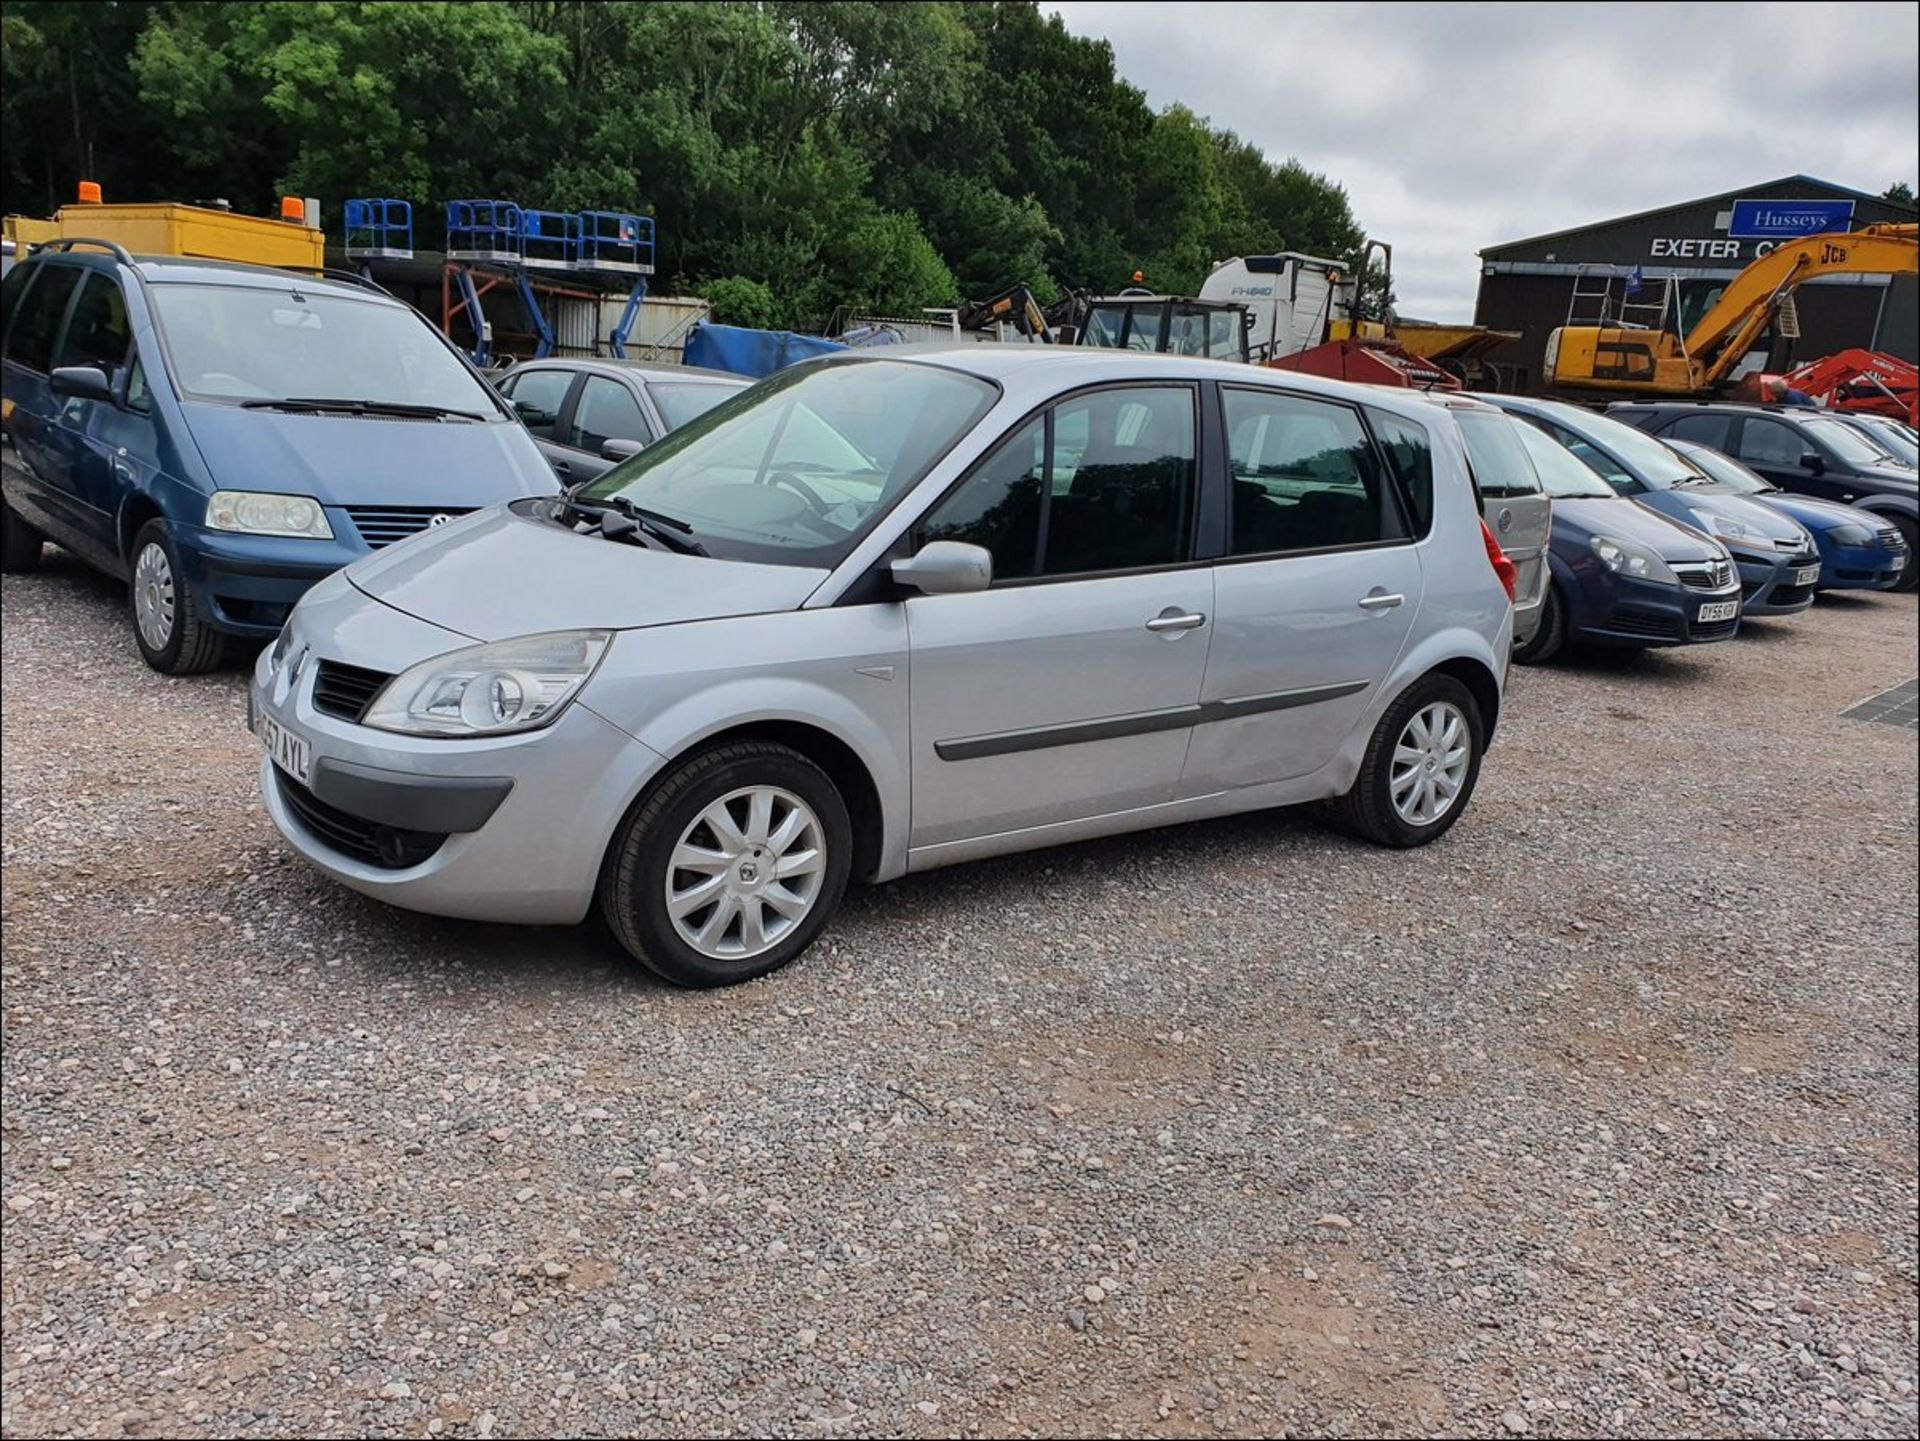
<point x="1666" y="356"/>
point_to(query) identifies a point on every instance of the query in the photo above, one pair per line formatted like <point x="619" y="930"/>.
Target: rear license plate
<point x="1806" y="575"/>
<point x="287" y="749"/>
<point x="1715" y="610"/>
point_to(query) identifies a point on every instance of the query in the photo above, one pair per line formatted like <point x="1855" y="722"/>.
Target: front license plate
<point x="1806" y="575"/>
<point x="1718" y="610"/>
<point x="288" y="750"/>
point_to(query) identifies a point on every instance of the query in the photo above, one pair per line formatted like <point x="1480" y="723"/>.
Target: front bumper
<point x="511" y="828"/>
<point x="1872" y="566"/>
<point x="1771" y="584"/>
<point x="1625" y="611"/>
<point x="248" y="584"/>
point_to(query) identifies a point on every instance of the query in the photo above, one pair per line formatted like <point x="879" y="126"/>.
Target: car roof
<point x="651" y="369"/>
<point x="1739" y="407"/>
<point x="1030" y="367"/>
<point x="193" y="270"/>
<point x="1448" y="399"/>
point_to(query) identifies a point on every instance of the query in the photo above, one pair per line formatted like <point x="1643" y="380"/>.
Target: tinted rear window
<point x="30" y="337"/>
<point x="1409" y="452"/>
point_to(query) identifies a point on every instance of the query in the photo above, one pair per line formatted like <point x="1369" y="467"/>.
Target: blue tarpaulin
<point x="752" y="352"/>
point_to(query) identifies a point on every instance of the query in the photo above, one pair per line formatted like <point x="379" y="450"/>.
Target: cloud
<point x="1455" y="127"/>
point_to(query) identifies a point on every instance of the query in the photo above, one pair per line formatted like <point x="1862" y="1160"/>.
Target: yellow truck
<point x="167" y="228"/>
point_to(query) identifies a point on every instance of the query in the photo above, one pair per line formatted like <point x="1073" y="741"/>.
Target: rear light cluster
<point x="1502" y="567"/>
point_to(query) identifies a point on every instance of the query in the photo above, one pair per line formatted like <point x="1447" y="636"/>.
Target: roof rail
<point x="334" y="272"/>
<point x="67" y="242"/>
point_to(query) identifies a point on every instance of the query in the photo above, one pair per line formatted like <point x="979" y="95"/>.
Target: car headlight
<point x="1727" y="528"/>
<point x="256" y="512"/>
<point x="1849" y="535"/>
<point x="1627" y="557"/>
<point x="509" y="685"/>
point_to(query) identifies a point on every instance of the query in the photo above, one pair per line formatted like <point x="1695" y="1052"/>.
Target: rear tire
<point x="730" y="867"/>
<point x="174" y="638"/>
<point x="1429" y="721"/>
<point x="1550" y="636"/>
<point x="1910" y="573"/>
<point x="20" y="543"/>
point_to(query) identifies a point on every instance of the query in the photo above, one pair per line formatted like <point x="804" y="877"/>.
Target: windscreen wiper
<point x="315" y="403"/>
<point x="671" y="531"/>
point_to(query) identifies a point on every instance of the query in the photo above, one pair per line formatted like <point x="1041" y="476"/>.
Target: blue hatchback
<point x="1858" y="550"/>
<point x="222" y="436"/>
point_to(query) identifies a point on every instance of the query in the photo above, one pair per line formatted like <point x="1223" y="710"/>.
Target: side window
<point x="606" y="411"/>
<point x="1121" y="491"/>
<point x="536" y="397"/>
<point x="1707" y="430"/>
<point x="30" y="341"/>
<point x="1771" y="443"/>
<point x="139" y="397"/>
<point x="98" y="334"/>
<point x="998" y="506"/>
<point x="11" y="289"/>
<point x="1113" y="491"/>
<point x="1304" y="476"/>
<point x="1410" y="457"/>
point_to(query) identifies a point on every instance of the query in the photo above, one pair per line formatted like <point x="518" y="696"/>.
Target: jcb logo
<point x="1831" y="254"/>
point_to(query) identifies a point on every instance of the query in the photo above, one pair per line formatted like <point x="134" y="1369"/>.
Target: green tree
<point x="1900" y="193"/>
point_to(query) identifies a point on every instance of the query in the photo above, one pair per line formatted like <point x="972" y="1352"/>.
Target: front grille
<point x="382" y="525"/>
<point x="1790" y="594"/>
<point x="1707" y="575"/>
<point x="1717" y="630"/>
<point x="373" y="844"/>
<point x="1892" y="539"/>
<point x="345" y="690"/>
<point x="1652" y="627"/>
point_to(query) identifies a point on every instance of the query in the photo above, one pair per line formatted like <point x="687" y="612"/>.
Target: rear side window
<point x="1500" y="463"/>
<point x="1409" y="452"/>
<point x="1304" y="476"/>
<point x="1707" y="430"/>
<point x="1770" y="442"/>
<point x="11" y="289"/>
<point x="97" y="335"/>
<point x="30" y="337"/>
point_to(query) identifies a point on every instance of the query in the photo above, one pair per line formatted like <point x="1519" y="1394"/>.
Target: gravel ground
<point x="1599" y="1116"/>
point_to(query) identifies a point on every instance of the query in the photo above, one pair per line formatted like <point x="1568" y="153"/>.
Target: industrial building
<point x="1527" y="285"/>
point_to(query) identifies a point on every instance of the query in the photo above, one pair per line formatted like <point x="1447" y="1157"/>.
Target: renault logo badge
<point x="438" y="521"/>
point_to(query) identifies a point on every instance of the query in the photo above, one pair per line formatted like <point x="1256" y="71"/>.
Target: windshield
<point x="1725" y="470"/>
<point x="1500" y="464"/>
<point x="233" y="342"/>
<point x="1650" y="462"/>
<point x="1562" y="474"/>
<point x="1891" y="436"/>
<point x="796" y="469"/>
<point x="681" y="400"/>
<point x="1846" y="442"/>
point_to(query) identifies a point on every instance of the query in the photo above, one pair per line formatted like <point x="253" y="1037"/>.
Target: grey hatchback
<point x="589" y="415"/>
<point x="879" y="614"/>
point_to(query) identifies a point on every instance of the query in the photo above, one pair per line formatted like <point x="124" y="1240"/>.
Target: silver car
<point x="1513" y="502"/>
<point x="880" y="614"/>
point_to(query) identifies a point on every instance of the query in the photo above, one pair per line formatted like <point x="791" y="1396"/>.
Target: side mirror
<point x="81" y="382"/>
<point x="945" y="567"/>
<point x="1814" y="461"/>
<point x="620" y="449"/>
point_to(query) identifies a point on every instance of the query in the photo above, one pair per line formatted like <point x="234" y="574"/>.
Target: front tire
<point x="173" y="636"/>
<point x="1420" y="767"/>
<point x="730" y="867"/>
<point x="1550" y="636"/>
<point x="20" y="543"/>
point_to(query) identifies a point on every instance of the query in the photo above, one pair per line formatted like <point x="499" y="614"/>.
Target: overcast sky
<point x="1454" y="127"/>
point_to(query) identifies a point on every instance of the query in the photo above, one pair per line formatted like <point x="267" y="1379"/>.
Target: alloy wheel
<point x="1430" y="763"/>
<point x="745" y="872"/>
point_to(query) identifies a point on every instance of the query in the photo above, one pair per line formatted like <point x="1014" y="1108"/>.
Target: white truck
<point x="1289" y="297"/>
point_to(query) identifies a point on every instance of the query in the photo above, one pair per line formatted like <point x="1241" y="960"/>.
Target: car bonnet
<point x="499" y="574"/>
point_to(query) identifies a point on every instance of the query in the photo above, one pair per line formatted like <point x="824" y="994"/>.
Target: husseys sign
<point x="1764" y="223"/>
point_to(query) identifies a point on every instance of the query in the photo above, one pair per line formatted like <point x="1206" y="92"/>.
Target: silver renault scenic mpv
<point x="875" y="615"/>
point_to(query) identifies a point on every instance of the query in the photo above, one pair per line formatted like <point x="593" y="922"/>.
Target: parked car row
<point x="1128" y="590"/>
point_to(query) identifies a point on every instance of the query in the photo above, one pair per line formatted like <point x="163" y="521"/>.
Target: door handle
<point x="560" y="467"/>
<point x="1171" y="619"/>
<point x="1377" y="601"/>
